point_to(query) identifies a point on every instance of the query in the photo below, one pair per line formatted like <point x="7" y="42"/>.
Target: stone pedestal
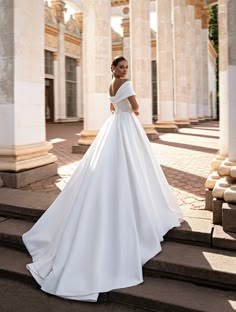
<point x="86" y="139"/>
<point x="209" y="199"/>
<point x="151" y="133"/>
<point x="23" y="148"/>
<point x="229" y="217"/>
<point x="217" y="211"/>
<point x="166" y="126"/>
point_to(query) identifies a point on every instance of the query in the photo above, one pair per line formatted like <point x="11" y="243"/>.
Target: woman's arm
<point x="134" y="104"/>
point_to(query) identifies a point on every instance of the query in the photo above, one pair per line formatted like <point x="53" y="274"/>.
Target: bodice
<point x="120" y="99"/>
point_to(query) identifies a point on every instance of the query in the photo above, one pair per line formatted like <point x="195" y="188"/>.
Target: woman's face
<point x="121" y="69"/>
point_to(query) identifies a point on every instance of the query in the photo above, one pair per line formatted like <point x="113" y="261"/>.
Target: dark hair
<point x="117" y="60"/>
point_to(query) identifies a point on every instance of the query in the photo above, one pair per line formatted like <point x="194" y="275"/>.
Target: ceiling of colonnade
<point x="76" y="4"/>
<point x="73" y="6"/>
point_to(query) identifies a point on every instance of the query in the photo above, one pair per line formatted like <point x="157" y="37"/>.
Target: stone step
<point x="197" y="264"/>
<point x="197" y="228"/>
<point x="11" y="231"/>
<point x="222" y="239"/>
<point x="166" y="295"/>
<point x="24" y="204"/>
<point x="22" y="297"/>
<point x="155" y="294"/>
<point x="194" y="231"/>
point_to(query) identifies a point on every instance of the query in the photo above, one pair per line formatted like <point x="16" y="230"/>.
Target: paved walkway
<point x="184" y="156"/>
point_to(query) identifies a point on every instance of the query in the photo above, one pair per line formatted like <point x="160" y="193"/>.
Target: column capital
<point x="126" y="26"/>
<point x="78" y="16"/>
<point x="59" y="9"/>
<point x="205" y="19"/>
<point x="119" y="2"/>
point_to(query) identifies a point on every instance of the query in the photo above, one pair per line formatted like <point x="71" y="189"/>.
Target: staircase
<point x="196" y="270"/>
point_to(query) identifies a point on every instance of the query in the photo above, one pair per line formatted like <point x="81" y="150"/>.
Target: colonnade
<point x="181" y="78"/>
<point x="222" y="181"/>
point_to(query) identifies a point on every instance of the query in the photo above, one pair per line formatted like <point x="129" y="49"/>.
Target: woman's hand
<point x="136" y="113"/>
<point x="112" y="108"/>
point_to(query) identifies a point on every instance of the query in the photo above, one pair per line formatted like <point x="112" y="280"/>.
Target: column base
<point x="182" y="123"/>
<point x="86" y="139"/>
<point x="16" y="158"/>
<point x="220" y="186"/>
<point x="211" y="180"/>
<point x="208" y="118"/>
<point x="217" y="161"/>
<point x="166" y="126"/>
<point x="151" y="133"/>
<point x="226" y="167"/>
<point x="23" y="178"/>
<point x="201" y="119"/>
<point x="193" y="121"/>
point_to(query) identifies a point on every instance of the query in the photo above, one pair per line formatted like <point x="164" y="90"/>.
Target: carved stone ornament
<point x="72" y="27"/>
<point x="119" y="2"/>
<point x="125" y="26"/>
<point x="59" y="9"/>
<point x="49" y="16"/>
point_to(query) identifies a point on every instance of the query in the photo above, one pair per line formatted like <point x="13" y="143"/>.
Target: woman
<point x="112" y="215"/>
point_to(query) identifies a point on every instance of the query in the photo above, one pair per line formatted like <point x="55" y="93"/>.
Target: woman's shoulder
<point x="115" y="85"/>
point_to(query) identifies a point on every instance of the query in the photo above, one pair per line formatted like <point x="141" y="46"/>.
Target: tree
<point x="213" y="36"/>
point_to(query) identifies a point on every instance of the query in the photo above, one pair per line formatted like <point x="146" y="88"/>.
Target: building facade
<point x="63" y="60"/>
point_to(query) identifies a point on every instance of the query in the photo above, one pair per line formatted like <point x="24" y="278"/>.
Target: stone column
<point x="205" y="83"/>
<point x="58" y="7"/>
<point x="141" y="71"/>
<point x="24" y="156"/>
<point x="180" y="79"/>
<point x="96" y="69"/>
<point x="191" y="65"/>
<point x="126" y="41"/>
<point x="79" y="19"/>
<point x="223" y="178"/>
<point x="198" y="46"/>
<point x="165" y="70"/>
<point x="79" y="90"/>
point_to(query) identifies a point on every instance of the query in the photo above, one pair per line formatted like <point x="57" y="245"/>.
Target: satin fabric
<point x="110" y="218"/>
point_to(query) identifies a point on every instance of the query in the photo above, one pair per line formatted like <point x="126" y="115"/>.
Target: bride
<point x="112" y="215"/>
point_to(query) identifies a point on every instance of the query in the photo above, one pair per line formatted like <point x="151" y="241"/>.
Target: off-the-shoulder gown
<point x="111" y="216"/>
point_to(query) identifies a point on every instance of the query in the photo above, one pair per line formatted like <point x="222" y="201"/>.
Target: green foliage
<point x="213" y="36"/>
<point x="213" y="25"/>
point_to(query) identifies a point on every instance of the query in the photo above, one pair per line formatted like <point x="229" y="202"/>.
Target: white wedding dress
<point x="111" y="216"/>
